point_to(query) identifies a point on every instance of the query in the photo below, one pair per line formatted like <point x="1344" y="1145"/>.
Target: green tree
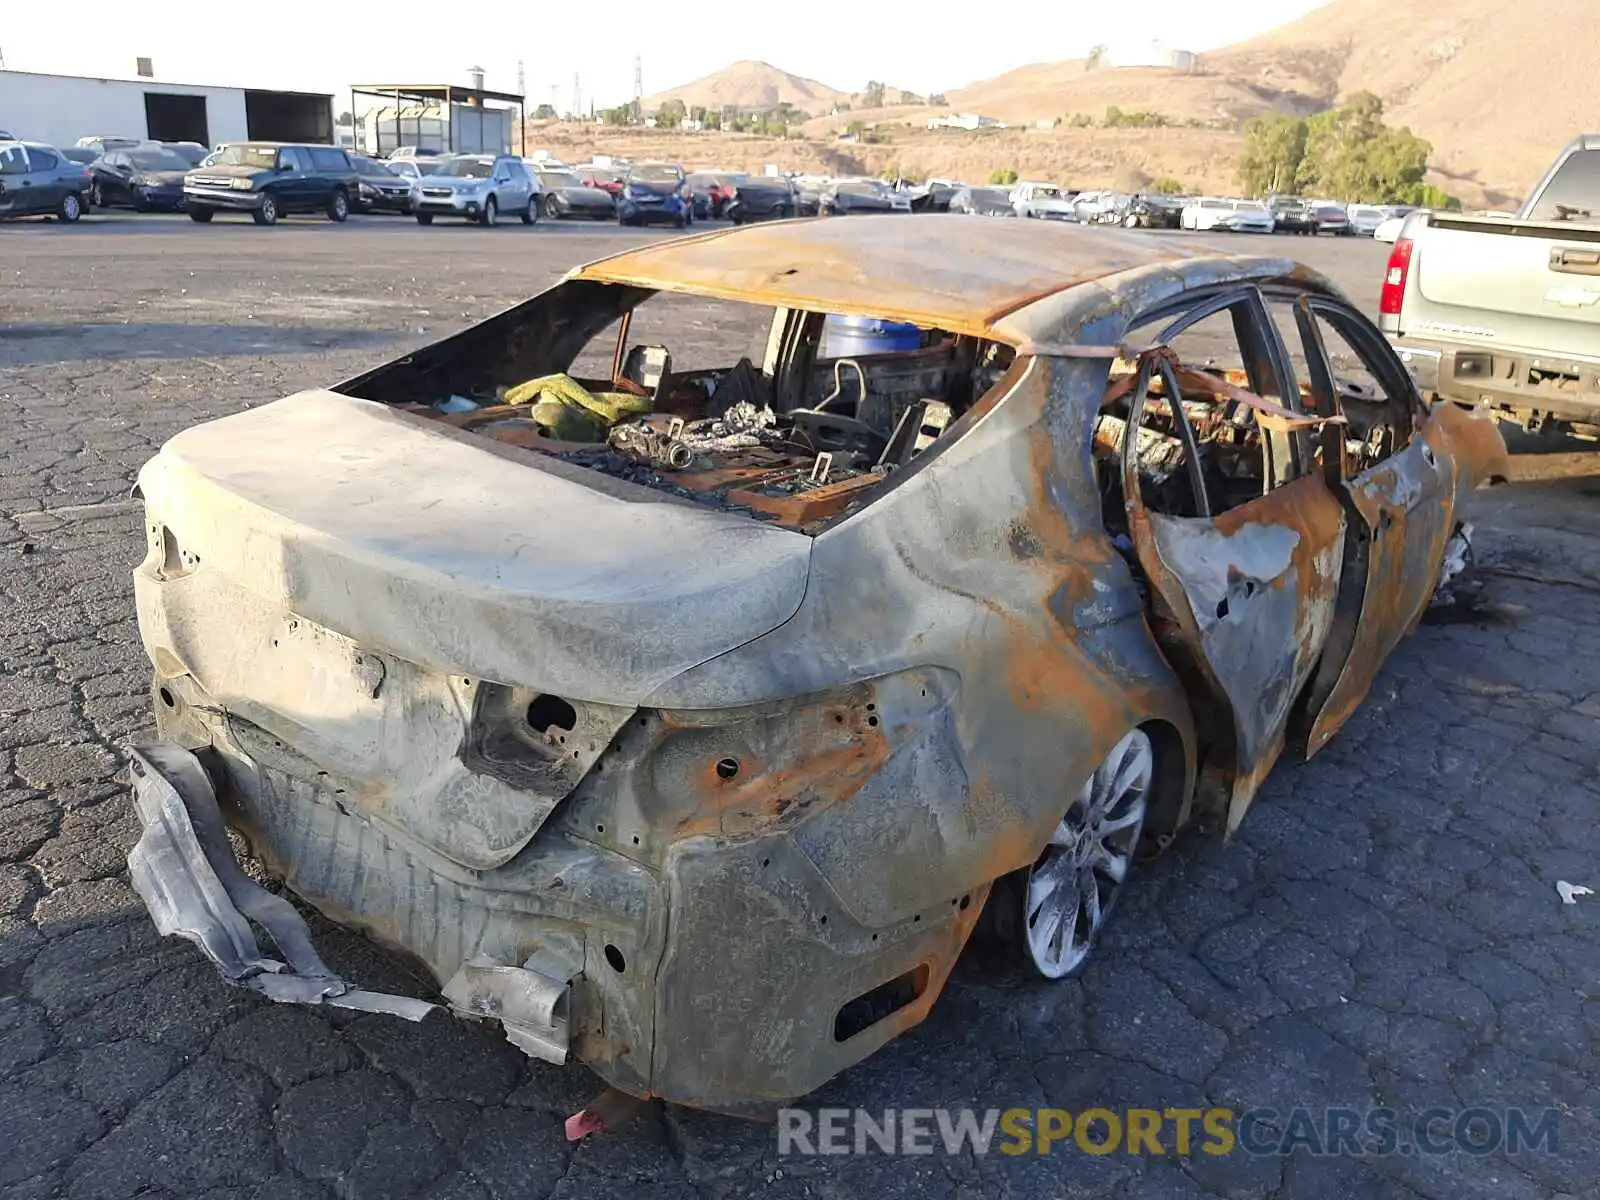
<point x="938" y="101"/>
<point x="872" y="94"/>
<point x="671" y="114"/>
<point x="1346" y="152"/>
<point x="1428" y="196"/>
<point x="620" y="115"/>
<point x="1003" y="176"/>
<point x="1168" y="186"/>
<point x="545" y="112"/>
<point x="1274" y="153"/>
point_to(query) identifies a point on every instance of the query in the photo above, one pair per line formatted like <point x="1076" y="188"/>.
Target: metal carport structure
<point x="447" y="96"/>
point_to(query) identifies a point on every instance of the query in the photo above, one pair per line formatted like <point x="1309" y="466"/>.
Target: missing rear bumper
<point x="184" y="870"/>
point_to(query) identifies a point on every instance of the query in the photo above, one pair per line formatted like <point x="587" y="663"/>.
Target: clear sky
<point x="937" y="45"/>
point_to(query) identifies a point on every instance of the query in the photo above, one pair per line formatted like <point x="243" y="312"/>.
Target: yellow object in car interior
<point x="570" y="411"/>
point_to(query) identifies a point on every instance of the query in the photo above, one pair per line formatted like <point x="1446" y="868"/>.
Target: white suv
<point x="1043" y="200"/>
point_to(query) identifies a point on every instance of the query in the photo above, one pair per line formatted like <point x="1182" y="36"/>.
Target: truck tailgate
<point x="1510" y="283"/>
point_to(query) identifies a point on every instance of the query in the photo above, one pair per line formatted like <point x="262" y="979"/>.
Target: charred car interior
<point x="688" y="719"/>
<point x="797" y="437"/>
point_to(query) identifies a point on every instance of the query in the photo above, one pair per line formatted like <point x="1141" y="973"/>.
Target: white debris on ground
<point x="1569" y="892"/>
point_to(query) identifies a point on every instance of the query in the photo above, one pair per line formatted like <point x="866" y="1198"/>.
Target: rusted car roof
<point x="947" y="272"/>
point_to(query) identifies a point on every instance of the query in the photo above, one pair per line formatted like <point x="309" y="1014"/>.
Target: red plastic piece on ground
<point x="581" y="1124"/>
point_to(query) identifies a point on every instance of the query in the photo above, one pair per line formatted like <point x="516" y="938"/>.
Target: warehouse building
<point x="60" y="109"/>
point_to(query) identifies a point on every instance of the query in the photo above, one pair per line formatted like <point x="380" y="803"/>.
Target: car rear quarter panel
<point x="990" y="564"/>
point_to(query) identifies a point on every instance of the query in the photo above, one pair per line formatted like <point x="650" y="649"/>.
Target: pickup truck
<point x="1504" y="309"/>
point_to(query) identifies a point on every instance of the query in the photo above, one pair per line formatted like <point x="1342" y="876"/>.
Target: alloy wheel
<point x="1073" y="885"/>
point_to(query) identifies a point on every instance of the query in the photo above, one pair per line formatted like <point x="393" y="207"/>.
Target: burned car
<point x="684" y="719"/>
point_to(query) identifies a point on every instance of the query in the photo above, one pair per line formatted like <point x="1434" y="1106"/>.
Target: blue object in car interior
<point x="848" y="337"/>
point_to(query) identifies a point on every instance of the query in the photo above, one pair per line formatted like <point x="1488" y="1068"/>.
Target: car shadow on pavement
<point x="31" y="345"/>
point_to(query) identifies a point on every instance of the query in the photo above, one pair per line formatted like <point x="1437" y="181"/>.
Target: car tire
<point x="530" y="215"/>
<point x="267" y="214"/>
<point x="424" y="218"/>
<point x="97" y="198"/>
<point x="1130" y="222"/>
<point x="201" y="215"/>
<point x="490" y="213"/>
<point x="338" y="206"/>
<point x="71" y="207"/>
<point x="552" y="207"/>
<point x="1049" y="915"/>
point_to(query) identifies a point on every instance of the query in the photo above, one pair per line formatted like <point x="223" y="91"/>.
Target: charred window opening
<point x="1338" y="371"/>
<point x="790" y="416"/>
<point x="1220" y="425"/>
<point x="883" y="1001"/>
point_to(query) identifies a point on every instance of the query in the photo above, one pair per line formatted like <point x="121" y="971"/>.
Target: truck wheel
<point x="202" y="215"/>
<point x="338" y="205"/>
<point x="267" y="214"/>
<point x="424" y="218"/>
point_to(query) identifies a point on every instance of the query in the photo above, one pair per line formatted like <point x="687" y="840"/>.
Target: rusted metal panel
<point x="1252" y="592"/>
<point x="790" y="768"/>
<point x="938" y="270"/>
<point x="1408" y="505"/>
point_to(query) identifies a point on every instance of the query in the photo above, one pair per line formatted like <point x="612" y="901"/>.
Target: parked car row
<point x="268" y="179"/>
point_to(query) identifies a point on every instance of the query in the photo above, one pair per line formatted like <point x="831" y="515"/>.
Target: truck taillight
<point x="1394" y="279"/>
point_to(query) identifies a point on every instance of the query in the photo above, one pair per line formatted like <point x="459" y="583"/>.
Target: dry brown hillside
<point x="1498" y="86"/>
<point x="751" y="85"/>
<point x="1200" y="159"/>
<point x="1042" y="91"/>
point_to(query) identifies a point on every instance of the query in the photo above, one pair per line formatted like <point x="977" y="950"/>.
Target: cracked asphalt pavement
<point x="1385" y="930"/>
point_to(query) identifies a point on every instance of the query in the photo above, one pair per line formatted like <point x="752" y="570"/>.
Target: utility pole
<point x="577" y="97"/>
<point x="638" y="89"/>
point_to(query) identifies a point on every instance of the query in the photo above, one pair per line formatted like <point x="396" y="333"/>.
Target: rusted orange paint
<point x="1043" y="665"/>
<point x="940" y="962"/>
<point x="830" y="763"/>
<point x="797" y="509"/>
<point x="935" y="271"/>
<point x="1404" y="561"/>
<point x="1473" y="440"/>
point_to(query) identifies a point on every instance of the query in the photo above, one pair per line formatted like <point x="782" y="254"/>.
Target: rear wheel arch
<point x="1173" y="783"/>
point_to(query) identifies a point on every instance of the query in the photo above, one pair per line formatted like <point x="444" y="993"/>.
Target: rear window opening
<point x="789" y="416"/>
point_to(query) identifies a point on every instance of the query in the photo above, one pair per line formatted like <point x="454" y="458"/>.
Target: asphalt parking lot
<point x="1384" y="932"/>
